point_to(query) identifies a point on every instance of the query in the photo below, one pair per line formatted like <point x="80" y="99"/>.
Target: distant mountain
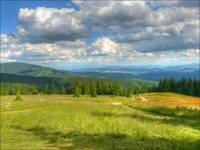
<point x="22" y="73"/>
<point x="144" y="72"/>
<point x="153" y="73"/>
<point x="32" y="70"/>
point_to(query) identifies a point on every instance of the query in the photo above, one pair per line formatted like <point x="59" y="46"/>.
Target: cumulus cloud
<point x="103" y="46"/>
<point x="169" y="16"/>
<point x="163" y="38"/>
<point x="41" y="52"/>
<point x="114" y="13"/>
<point x="166" y="29"/>
<point x="147" y="29"/>
<point x="125" y="31"/>
<point x="50" y="25"/>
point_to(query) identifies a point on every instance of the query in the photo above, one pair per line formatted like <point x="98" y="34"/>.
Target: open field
<point x="56" y="122"/>
<point x="168" y="99"/>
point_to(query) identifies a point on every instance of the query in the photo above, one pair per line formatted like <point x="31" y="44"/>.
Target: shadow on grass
<point x="108" y="141"/>
<point x="192" y="120"/>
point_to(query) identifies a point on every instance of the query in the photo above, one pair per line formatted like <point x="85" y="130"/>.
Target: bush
<point x="18" y="97"/>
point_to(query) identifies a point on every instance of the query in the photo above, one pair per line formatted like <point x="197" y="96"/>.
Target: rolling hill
<point x="13" y="74"/>
<point x="32" y="70"/>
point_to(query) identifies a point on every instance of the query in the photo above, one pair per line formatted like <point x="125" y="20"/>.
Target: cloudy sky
<point x="94" y="33"/>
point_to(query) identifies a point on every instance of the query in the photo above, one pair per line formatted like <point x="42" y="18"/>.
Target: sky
<point x="65" y="34"/>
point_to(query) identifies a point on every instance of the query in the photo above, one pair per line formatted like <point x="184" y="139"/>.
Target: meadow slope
<point x="57" y="122"/>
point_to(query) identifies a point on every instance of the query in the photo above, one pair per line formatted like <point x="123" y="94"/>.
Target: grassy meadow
<point x="153" y="121"/>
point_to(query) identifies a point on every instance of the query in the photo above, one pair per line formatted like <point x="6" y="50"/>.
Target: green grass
<point x="103" y="123"/>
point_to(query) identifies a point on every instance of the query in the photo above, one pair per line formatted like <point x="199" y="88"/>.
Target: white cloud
<point x="41" y="52"/>
<point x="105" y="51"/>
<point x="145" y="28"/>
<point x="169" y="16"/>
<point x="114" y="13"/>
<point x="50" y="24"/>
<point x="183" y="35"/>
<point x="126" y="31"/>
<point x="104" y="46"/>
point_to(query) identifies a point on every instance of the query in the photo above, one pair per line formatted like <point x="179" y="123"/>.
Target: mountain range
<point x="144" y="72"/>
<point x="140" y="72"/>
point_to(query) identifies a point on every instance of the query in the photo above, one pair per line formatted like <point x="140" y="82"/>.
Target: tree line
<point x="13" y="84"/>
<point x="183" y="86"/>
<point x="76" y="86"/>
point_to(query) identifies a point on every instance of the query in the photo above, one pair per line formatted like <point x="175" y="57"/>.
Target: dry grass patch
<point x="170" y="100"/>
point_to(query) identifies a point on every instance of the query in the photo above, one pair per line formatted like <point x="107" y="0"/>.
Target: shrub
<point x="18" y="97"/>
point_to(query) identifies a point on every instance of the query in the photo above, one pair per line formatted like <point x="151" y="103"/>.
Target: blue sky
<point x="10" y="9"/>
<point x="94" y="33"/>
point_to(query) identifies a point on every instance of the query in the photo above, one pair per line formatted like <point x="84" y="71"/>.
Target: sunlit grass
<point x="101" y="123"/>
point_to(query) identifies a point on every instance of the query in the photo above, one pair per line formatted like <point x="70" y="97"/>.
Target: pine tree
<point x="18" y="95"/>
<point x="63" y="91"/>
<point x="93" y="91"/>
<point x="184" y="86"/>
<point x="34" y="90"/>
<point x="121" y="90"/>
<point x="173" y="85"/>
<point x="190" y="89"/>
<point x="53" y="88"/>
<point x="77" y="91"/>
<point x="46" y="89"/>
<point x="166" y="85"/>
<point x="129" y="92"/>
<point x="196" y="87"/>
<point x="160" y="86"/>
<point x="87" y="89"/>
<point x="115" y="91"/>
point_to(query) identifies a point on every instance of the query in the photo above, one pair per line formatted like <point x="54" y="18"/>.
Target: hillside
<point x="32" y="70"/>
<point x="10" y="84"/>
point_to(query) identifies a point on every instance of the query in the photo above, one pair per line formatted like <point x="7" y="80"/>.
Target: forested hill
<point x="32" y="70"/>
<point x="10" y="83"/>
<point x="22" y="79"/>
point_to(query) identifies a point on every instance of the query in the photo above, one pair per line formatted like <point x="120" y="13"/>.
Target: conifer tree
<point x="53" y="88"/>
<point x="93" y="91"/>
<point x="190" y="89"/>
<point x="87" y="89"/>
<point x="34" y="90"/>
<point x="63" y="91"/>
<point x="77" y="91"/>
<point x="46" y="89"/>
<point x="18" y="95"/>
<point x="129" y="92"/>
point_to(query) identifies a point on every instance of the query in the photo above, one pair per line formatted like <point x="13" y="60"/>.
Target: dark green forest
<point x="183" y="86"/>
<point x="12" y="84"/>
